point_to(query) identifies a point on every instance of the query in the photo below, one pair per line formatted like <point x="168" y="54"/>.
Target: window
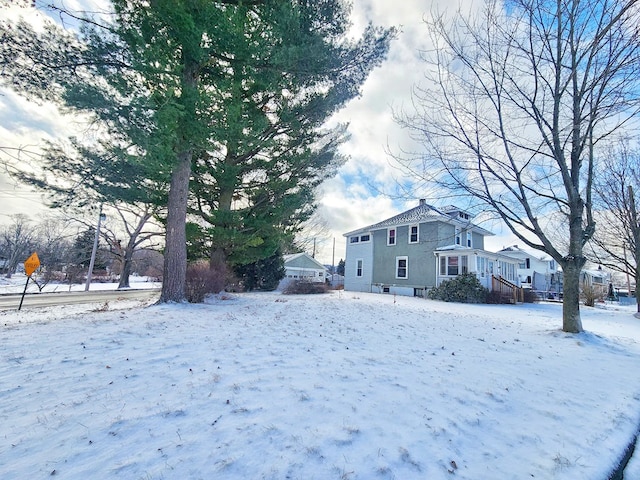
<point x="458" y="238"/>
<point x="469" y="239"/>
<point x="452" y="265"/>
<point x="391" y="236"/>
<point x="402" y="267"/>
<point x="362" y="238"/>
<point x="552" y="265"/>
<point x="528" y="262"/>
<point x="481" y="265"/>
<point x="359" y="267"/>
<point x="413" y="234"/>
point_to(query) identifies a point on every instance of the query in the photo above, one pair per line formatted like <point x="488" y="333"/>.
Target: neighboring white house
<point x="302" y="266"/>
<point x="536" y="271"/>
<point x="541" y="273"/>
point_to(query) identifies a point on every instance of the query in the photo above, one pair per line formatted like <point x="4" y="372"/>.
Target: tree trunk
<point x="227" y="186"/>
<point x="127" y="259"/>
<point x="175" y="255"/>
<point x="571" y="321"/>
<point x="635" y="232"/>
<point x="637" y="291"/>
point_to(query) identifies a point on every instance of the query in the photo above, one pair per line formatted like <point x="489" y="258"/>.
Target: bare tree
<point x="17" y="240"/>
<point x="54" y="246"/>
<point x="313" y="232"/>
<point x="135" y="230"/>
<point x="518" y="100"/>
<point x="616" y="243"/>
<point x="129" y="227"/>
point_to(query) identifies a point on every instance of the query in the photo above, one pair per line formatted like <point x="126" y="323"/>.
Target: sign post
<point x="31" y="264"/>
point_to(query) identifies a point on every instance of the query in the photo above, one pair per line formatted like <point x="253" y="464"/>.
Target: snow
<point x="337" y="386"/>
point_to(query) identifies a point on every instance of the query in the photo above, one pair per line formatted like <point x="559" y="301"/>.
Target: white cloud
<point x="353" y="198"/>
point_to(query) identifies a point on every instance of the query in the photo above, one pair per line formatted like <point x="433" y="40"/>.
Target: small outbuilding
<point x="302" y="266"/>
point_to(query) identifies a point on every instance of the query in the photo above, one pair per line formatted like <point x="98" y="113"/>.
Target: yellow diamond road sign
<point x="31" y="264"/>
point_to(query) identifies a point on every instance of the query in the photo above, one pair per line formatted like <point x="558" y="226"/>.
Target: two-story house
<point x="416" y="250"/>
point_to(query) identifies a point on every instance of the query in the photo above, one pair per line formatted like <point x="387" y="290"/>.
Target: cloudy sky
<point x="359" y="194"/>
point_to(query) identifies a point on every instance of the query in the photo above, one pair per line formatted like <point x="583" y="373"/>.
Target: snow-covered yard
<point x="336" y="386"/>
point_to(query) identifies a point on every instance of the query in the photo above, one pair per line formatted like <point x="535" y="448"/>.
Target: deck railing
<point x="509" y="292"/>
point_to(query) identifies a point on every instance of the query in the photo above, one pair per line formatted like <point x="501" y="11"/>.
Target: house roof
<point x="423" y="213"/>
<point x="514" y="249"/>
<point x="302" y="260"/>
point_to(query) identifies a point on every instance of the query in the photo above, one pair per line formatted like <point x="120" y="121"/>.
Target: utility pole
<point x="101" y="217"/>
<point x="333" y="257"/>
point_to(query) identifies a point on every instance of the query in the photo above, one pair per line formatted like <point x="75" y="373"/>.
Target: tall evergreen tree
<point x="159" y="77"/>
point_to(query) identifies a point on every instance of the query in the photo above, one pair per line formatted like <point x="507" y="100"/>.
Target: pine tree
<point x="171" y="80"/>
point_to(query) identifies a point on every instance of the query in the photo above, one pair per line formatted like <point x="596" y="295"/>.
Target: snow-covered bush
<point x="301" y="287"/>
<point x="465" y="288"/>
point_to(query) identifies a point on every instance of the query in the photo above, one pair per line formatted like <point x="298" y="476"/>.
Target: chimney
<point x="422" y="202"/>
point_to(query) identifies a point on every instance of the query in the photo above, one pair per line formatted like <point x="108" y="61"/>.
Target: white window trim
<point x="406" y="259"/>
<point x="457" y="237"/>
<point x="417" y="233"/>
<point x="395" y="236"/>
<point x="360" y="261"/>
<point x="469" y="239"/>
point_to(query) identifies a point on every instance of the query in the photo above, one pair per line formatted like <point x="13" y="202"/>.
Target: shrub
<point x="465" y="288"/>
<point x="589" y="295"/>
<point x="202" y="280"/>
<point x="494" y="297"/>
<point x="300" y="287"/>
<point x="530" y="296"/>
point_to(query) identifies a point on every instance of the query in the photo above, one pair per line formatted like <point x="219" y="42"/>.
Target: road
<point x="34" y="300"/>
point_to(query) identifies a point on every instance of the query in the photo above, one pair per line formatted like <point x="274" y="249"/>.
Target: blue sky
<point x="356" y="197"/>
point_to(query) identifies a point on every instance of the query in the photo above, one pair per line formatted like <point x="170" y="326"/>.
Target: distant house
<point x="597" y="279"/>
<point x="536" y="271"/>
<point x="541" y="273"/>
<point x="302" y="266"/>
<point x="418" y="249"/>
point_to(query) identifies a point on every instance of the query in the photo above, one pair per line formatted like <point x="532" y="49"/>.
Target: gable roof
<point x="423" y="213"/>
<point x="302" y="260"/>
<point x="518" y="252"/>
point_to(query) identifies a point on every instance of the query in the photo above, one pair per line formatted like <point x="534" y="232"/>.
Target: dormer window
<point x="391" y="236"/>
